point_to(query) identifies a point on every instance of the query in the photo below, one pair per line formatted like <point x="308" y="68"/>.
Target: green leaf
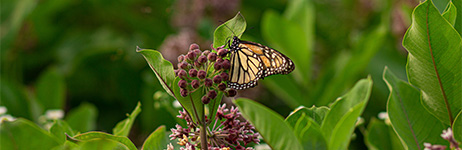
<point x="339" y="123"/>
<point x="13" y="97"/>
<point x="161" y="67"/>
<point x="51" y="89"/>
<point x="60" y="128"/>
<point x="157" y="140"/>
<point x="96" y="135"/>
<point x="192" y="103"/>
<point x="68" y="145"/>
<point x="302" y="12"/>
<point x="457" y="127"/>
<point x="123" y="127"/>
<point x="458" y="24"/>
<point x="83" y="118"/>
<point x="411" y="121"/>
<point x="23" y="134"/>
<point x="288" y="38"/>
<point x="286" y="88"/>
<point x="450" y="13"/>
<point x="346" y="68"/>
<point x="434" y="61"/>
<point x="233" y="27"/>
<point x="380" y="136"/>
<point x="102" y="144"/>
<point x="11" y="27"/>
<point x="307" y="130"/>
<point x="315" y="113"/>
<point x="277" y="133"/>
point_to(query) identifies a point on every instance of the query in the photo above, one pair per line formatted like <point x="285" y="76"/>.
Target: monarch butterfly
<point x="252" y="61"/>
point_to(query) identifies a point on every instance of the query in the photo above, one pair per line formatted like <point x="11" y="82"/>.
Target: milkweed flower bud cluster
<point x="228" y="132"/>
<point x="205" y="69"/>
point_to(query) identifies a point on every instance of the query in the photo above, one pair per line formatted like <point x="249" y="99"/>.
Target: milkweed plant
<point x="423" y="111"/>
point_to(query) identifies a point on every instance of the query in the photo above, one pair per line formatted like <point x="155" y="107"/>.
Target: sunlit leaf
<point x="411" y="121"/>
<point x="450" y="13"/>
<point x="380" y="136"/>
<point x="192" y="103"/>
<point x="103" y="139"/>
<point x="123" y="127"/>
<point x="434" y="61"/>
<point x="157" y="140"/>
<point x="60" y="128"/>
<point x="339" y="123"/>
<point x="457" y="127"/>
<point x="315" y="113"/>
<point x="346" y="68"/>
<point x="458" y="24"/>
<point x="271" y="126"/>
<point x="233" y="27"/>
<point x="307" y="130"/>
<point x="161" y="67"/>
<point x="288" y="37"/>
<point x="23" y="134"/>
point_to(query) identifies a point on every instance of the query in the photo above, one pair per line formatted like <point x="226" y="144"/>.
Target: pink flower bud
<point x="193" y="73"/>
<point x="201" y="74"/>
<point x="212" y="94"/>
<point x="208" y="82"/>
<point x="217" y="79"/>
<point x="193" y="46"/>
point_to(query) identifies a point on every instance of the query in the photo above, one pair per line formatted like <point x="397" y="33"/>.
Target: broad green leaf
<point x="276" y="133"/>
<point x="315" y="113"/>
<point x="380" y="136"/>
<point x="60" y="128"/>
<point x="339" y="123"/>
<point x="13" y="97"/>
<point x="157" y="140"/>
<point x="82" y="118"/>
<point x="102" y="144"/>
<point x="96" y="136"/>
<point x="192" y="103"/>
<point x="307" y="130"/>
<point x="450" y="13"/>
<point x="288" y="37"/>
<point x="302" y="13"/>
<point x="51" y="89"/>
<point x="457" y="127"/>
<point x="226" y="31"/>
<point x="440" y="5"/>
<point x="287" y="89"/>
<point x="23" y="134"/>
<point x="68" y="145"/>
<point x="161" y="67"/>
<point x="346" y="68"/>
<point x="123" y="127"/>
<point x="434" y="61"/>
<point x="411" y="121"/>
<point x="458" y="24"/>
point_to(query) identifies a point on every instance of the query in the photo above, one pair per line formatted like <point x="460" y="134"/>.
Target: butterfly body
<point x="252" y="61"/>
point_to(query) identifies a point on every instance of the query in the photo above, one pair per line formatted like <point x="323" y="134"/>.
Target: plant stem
<point x="204" y="145"/>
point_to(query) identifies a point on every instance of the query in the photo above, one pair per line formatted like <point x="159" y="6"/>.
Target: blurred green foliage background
<point x="62" y="54"/>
